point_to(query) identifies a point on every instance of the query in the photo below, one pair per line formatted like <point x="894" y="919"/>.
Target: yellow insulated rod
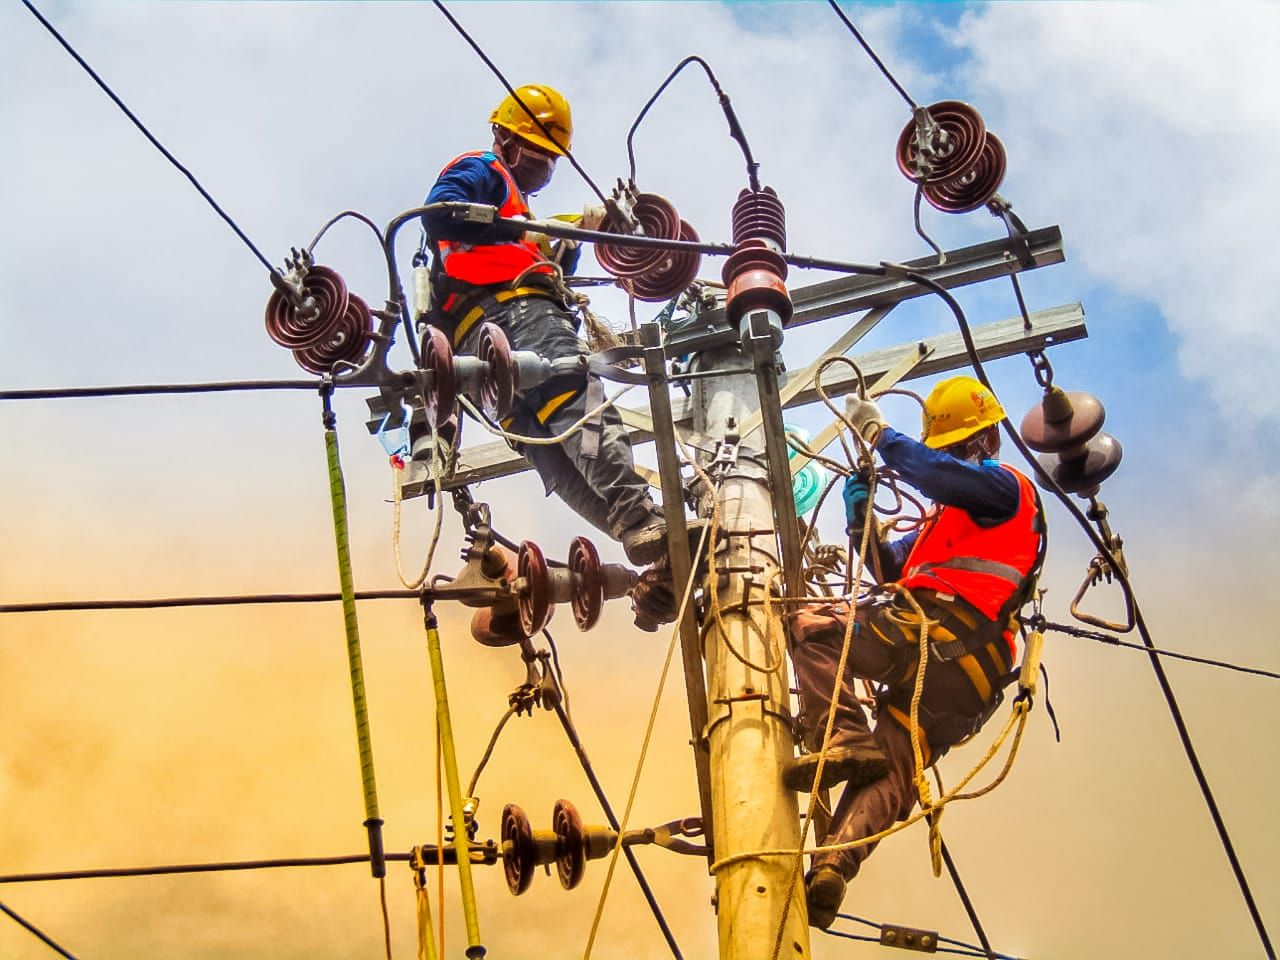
<point x="475" y="949"/>
<point x="338" y="499"/>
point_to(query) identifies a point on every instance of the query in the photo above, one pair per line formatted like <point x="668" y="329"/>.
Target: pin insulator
<point x="755" y="275"/>
<point x="293" y="327"/>
<point x="1083" y="473"/>
<point x="759" y="215"/>
<point x="1062" y="422"/>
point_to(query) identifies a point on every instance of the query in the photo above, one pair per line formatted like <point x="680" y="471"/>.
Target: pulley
<point x="584" y="583"/>
<point x="651" y="275"/>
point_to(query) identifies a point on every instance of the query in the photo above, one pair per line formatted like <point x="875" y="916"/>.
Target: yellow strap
<point x="905" y="720"/>
<point x="977" y="676"/>
<point x="502" y="296"/>
<point x="554" y="404"/>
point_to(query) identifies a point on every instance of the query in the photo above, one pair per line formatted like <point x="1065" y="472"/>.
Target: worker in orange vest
<point x="970" y="567"/>
<point x="488" y="272"/>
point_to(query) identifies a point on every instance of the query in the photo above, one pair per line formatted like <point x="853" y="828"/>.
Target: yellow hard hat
<point x="549" y="106"/>
<point x="956" y="409"/>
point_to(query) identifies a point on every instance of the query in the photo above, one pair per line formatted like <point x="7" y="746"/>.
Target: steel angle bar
<point x="1003" y="338"/>
<point x="995" y="258"/>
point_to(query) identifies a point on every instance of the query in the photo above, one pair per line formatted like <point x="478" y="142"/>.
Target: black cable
<point x="37" y="932"/>
<point x="1184" y="735"/>
<point x="153" y="389"/>
<point x="862" y="938"/>
<point x="964" y="899"/>
<point x="735" y="128"/>
<point x="1107" y="638"/>
<point x="64" y="606"/>
<point x="575" y="741"/>
<point x="515" y="96"/>
<point x="147" y="133"/>
<point x="941" y="939"/>
<point x="111" y="873"/>
<point x="872" y="54"/>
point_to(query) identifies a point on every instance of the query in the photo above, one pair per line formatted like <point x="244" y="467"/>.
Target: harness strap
<point x="476" y="307"/>
<point x="971" y="565"/>
<point x="594" y="427"/>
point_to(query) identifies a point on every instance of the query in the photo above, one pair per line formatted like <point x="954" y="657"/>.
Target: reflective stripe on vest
<point x="484" y="264"/>
<point x="956" y="555"/>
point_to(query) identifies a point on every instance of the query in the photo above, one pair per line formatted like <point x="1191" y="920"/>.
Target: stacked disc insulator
<point x="569" y="845"/>
<point x="961" y="164"/>
<point x="652" y="275"/>
<point x="1067" y="427"/>
<point x="323" y="324"/>
<point x="755" y="273"/>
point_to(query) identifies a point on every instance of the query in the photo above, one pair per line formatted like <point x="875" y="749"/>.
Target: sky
<point x="190" y="735"/>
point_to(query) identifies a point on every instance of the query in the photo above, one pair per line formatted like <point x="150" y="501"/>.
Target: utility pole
<point x="749" y="730"/>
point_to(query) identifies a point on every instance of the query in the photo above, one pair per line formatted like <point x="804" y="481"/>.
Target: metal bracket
<point x="908" y="938"/>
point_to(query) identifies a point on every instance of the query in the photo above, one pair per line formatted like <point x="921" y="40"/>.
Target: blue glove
<point x="857" y="492"/>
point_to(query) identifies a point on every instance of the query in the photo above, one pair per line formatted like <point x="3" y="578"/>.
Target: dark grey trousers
<point x="604" y="489"/>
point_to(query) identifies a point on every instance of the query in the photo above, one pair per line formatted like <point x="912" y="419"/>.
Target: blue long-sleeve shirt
<point x="986" y="491"/>
<point x="473" y="180"/>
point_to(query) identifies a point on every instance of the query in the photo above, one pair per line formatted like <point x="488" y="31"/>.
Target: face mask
<point x="532" y="170"/>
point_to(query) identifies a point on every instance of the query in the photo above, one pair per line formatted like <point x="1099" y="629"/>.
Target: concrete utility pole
<point x="749" y="732"/>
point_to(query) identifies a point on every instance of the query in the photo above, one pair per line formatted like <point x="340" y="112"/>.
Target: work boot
<point x="646" y="542"/>
<point x="857" y="764"/>
<point x="824" y="892"/>
<point x="653" y="597"/>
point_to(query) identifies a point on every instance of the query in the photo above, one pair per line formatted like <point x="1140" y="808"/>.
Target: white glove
<point x="592" y="217"/>
<point x="861" y="414"/>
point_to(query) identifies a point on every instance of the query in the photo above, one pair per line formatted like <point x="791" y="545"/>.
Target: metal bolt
<point x="890" y="936"/>
<point x="761" y="889"/>
<point x="926" y="940"/>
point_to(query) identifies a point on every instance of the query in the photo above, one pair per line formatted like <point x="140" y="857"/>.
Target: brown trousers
<point x="884" y="647"/>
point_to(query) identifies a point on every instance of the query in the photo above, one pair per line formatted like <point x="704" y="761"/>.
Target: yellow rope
<point x="644" y="747"/>
<point x="1018" y="714"/>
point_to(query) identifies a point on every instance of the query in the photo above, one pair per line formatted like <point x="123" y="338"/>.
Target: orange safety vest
<point x="486" y="264"/>
<point x="986" y="566"/>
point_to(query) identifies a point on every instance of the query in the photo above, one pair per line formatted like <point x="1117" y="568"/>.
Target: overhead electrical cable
<point x="36" y="932"/>
<point x="515" y="96"/>
<point x="872" y="54"/>
<point x="159" y="389"/>
<point x="149" y="135"/>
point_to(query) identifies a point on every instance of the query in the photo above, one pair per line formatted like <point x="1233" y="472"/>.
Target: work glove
<point x="861" y="414"/>
<point x="857" y="502"/>
<point x="592" y="217"/>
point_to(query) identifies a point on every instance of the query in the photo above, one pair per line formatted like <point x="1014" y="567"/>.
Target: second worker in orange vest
<point x="481" y="272"/>
<point x="971" y="566"/>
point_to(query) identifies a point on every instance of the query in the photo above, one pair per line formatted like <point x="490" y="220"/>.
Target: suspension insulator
<point x="1063" y="422"/>
<point x="534" y="601"/>
<point x="1084" y="473"/>
<point x="441" y="394"/>
<point x="295" y="328"/>
<point x="755" y="275"/>
<point x="571" y="844"/>
<point x="498" y="383"/>
<point x="348" y="342"/>
<point x="653" y="275"/>
<point x="588" y="583"/>
<point x="956" y="137"/>
<point x="519" y="852"/>
<point x="759" y="215"/>
<point x="973" y="188"/>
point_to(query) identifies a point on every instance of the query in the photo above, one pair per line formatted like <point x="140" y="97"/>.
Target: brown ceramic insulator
<point x="973" y="188"/>
<point x="571" y="844"/>
<point x="1085" y="473"/>
<point x="349" y="341"/>
<point x="588" y="583"/>
<point x="534" y="602"/>
<point x="755" y="275"/>
<point x="519" y="852"/>
<point x="493" y="629"/>
<point x="441" y="395"/>
<point x="294" y="329"/>
<point x="1054" y="427"/>
<point x="671" y="274"/>
<point x="759" y="215"/>
<point x="961" y="133"/>
<point x="498" y="389"/>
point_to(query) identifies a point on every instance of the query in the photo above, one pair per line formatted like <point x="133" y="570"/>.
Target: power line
<point x="515" y="96"/>
<point x="235" y="600"/>
<point x="37" y="932"/>
<point x="872" y="54"/>
<point x="154" y="389"/>
<point x="115" y="873"/>
<point x="147" y="133"/>
<point x="1117" y="642"/>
